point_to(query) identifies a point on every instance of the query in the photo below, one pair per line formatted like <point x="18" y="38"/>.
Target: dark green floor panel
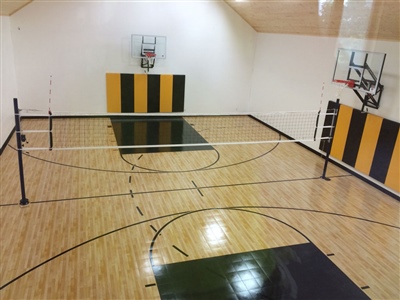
<point x="137" y="131"/>
<point x="292" y="272"/>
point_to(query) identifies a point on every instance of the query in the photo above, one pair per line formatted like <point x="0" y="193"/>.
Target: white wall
<point x="78" y="42"/>
<point x="8" y="83"/>
<point x="290" y="71"/>
<point x="294" y="73"/>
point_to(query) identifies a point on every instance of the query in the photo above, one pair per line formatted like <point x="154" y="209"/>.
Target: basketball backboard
<point x="362" y="67"/>
<point x="142" y="44"/>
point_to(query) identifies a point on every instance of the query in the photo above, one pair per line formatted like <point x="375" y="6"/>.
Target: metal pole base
<point x="23" y="202"/>
<point x="325" y="178"/>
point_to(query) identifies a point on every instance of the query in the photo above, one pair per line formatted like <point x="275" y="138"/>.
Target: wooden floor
<point x="94" y="217"/>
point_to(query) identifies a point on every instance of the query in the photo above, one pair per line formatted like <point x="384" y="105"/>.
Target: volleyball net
<point x="67" y="131"/>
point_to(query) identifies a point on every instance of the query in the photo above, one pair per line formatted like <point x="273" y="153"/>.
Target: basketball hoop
<point x="341" y="84"/>
<point x="148" y="60"/>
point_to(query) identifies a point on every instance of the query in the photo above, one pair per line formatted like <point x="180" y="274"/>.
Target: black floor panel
<point x="137" y="131"/>
<point x="293" y="272"/>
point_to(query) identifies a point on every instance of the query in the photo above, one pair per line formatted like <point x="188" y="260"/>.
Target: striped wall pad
<point x="368" y="143"/>
<point x="141" y="93"/>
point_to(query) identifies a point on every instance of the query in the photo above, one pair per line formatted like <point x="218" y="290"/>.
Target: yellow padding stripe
<point x="393" y="176"/>
<point x="368" y="143"/>
<point x="140" y="93"/>
<point x="113" y="84"/>
<point x="341" y="131"/>
<point x="166" y="93"/>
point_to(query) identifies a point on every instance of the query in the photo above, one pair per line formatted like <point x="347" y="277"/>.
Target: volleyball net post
<point x="330" y="140"/>
<point x="24" y="201"/>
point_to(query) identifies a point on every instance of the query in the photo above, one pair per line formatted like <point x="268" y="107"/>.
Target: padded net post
<point x="24" y="201"/>
<point x="330" y="140"/>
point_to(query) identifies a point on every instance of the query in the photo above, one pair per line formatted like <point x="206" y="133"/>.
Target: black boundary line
<point x="342" y="166"/>
<point x="130" y="178"/>
<point x="179" y="250"/>
<point x="173" y="190"/>
<point x="197" y="189"/>
<point x="355" y="174"/>
<point x="131" y="193"/>
<point x="182" y="214"/>
<point x="220" y="186"/>
<point x="330" y="254"/>
<point x="154" y="229"/>
<point x="150" y="285"/>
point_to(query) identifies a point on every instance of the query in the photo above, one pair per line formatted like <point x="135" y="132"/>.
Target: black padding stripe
<point x="178" y="93"/>
<point x="127" y="88"/>
<point x="153" y="93"/>
<point x="354" y="137"/>
<point x="384" y="150"/>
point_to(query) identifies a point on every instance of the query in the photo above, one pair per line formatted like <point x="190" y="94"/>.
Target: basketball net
<point x="148" y="60"/>
<point x="341" y="85"/>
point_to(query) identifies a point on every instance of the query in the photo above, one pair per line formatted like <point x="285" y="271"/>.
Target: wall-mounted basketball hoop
<point x="148" y="60"/>
<point x="341" y="85"/>
<point x="147" y="48"/>
<point x="361" y="71"/>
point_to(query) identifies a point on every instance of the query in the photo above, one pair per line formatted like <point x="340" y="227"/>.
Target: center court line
<point x="177" y="190"/>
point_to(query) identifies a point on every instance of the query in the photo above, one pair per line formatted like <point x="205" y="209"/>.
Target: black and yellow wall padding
<point x="141" y="93"/>
<point x="369" y="143"/>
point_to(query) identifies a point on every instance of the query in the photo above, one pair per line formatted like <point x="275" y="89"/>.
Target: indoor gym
<point x="203" y="203"/>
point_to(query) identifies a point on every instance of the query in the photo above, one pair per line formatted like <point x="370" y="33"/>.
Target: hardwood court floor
<point x="102" y="225"/>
